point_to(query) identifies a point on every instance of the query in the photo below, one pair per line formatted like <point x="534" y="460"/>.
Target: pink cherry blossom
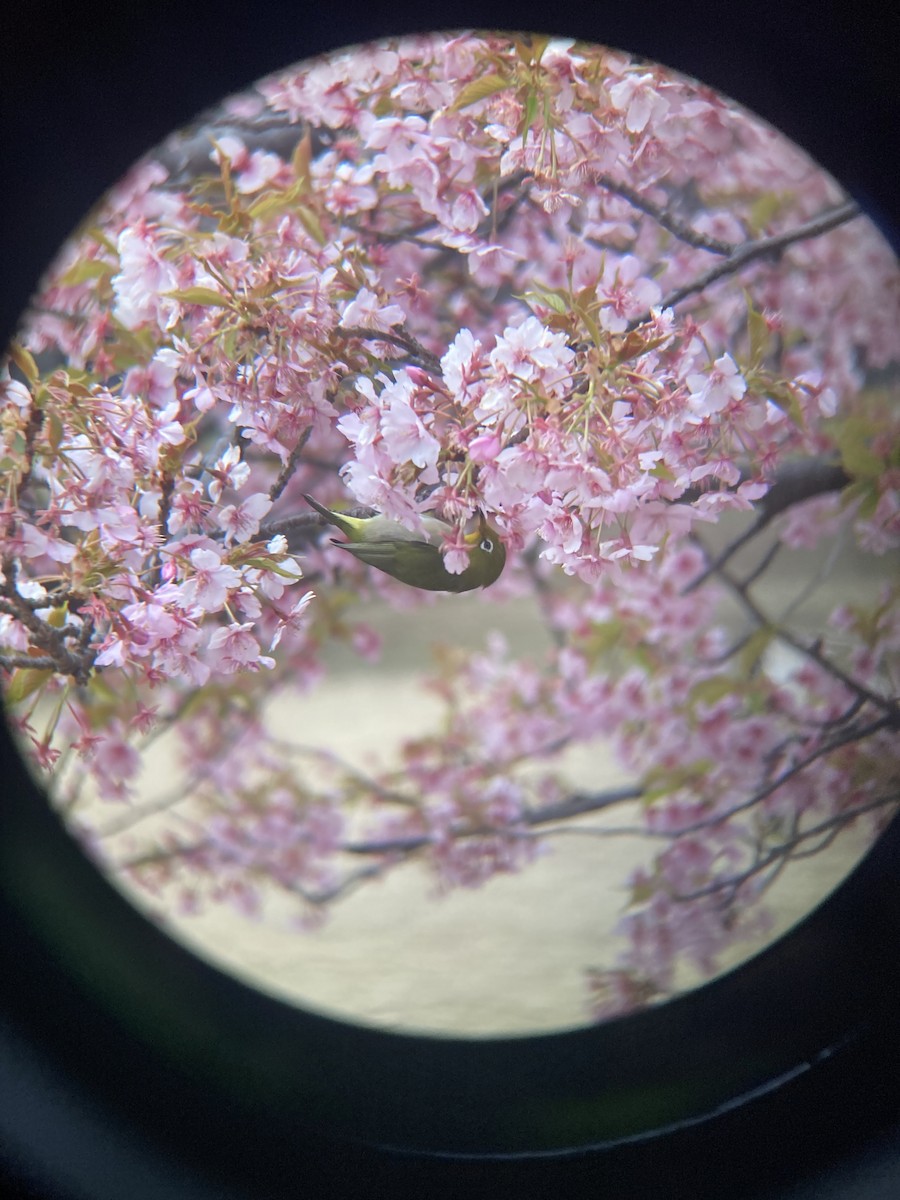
<point x="710" y="394"/>
<point x="146" y="275"/>
<point x="210" y="582"/>
<point x="638" y="96"/>
<point x="241" y="521"/>
<point x="626" y="293"/>
<point x="405" y="437"/>
<point x="234" y="648"/>
<point x="366" y="310"/>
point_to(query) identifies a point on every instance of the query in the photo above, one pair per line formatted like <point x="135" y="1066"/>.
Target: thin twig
<point x="831" y="827"/>
<point x="888" y="706"/>
<point x="794" y="483"/>
<point x="763" y="793"/>
<point x="290" y="466"/>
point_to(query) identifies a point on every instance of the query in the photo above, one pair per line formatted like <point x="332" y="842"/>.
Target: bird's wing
<point x="420" y="560"/>
<point x="384" y="552"/>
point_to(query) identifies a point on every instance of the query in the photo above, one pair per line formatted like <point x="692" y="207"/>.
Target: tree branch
<point x="290" y="466"/>
<point x="37" y="663"/>
<point x="393" y="337"/>
<point x="784" y="852"/>
<point x="795" y="482"/>
<point x="887" y="705"/>
<point x="684" y="233"/>
<point x="76" y="664"/>
<point x="760" y="249"/>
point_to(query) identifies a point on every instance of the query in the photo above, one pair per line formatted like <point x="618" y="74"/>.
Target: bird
<point x="391" y="547"/>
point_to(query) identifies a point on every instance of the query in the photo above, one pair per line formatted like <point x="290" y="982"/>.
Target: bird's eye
<point x="487" y="545"/>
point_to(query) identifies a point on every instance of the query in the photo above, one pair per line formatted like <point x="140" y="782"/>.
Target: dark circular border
<point x="129" y="1067"/>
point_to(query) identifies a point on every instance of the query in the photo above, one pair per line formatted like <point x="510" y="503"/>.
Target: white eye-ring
<point x="486" y="544"/>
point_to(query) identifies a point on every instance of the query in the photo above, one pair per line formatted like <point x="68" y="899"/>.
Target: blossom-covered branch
<point x="446" y="276"/>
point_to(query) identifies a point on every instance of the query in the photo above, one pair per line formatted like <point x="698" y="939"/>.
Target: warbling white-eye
<point x="391" y="547"/>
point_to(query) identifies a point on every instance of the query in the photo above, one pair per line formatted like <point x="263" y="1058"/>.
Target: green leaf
<point x="853" y="437"/>
<point x="585" y="298"/>
<point x="301" y="159"/>
<point x="593" y="329"/>
<point x="754" y="648"/>
<point x="55" y="431"/>
<point x="531" y="107"/>
<point x="758" y="333"/>
<point x="479" y="89"/>
<point x="311" y="223"/>
<point x="85" y="269"/>
<point x="24" y="360"/>
<point x="763" y="209"/>
<point x="546" y="298"/>
<point x="530" y="47"/>
<point x="708" y="691"/>
<point x="203" y="296"/>
<point x="24" y="682"/>
<point x="273" y="202"/>
<point x="269" y="564"/>
<point x="640" y="894"/>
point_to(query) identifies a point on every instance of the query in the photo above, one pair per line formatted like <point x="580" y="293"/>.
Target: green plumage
<point x="397" y="551"/>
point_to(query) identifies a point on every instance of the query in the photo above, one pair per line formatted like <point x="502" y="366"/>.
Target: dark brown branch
<point x="851" y="735"/>
<point x="763" y="565"/>
<point x="811" y="650"/>
<point x="290" y="466"/>
<point x="42" y="663"/>
<point x="794" y="483"/>
<point x="401" y="848"/>
<point x="583" y="802"/>
<point x="684" y="233"/>
<point x="348" y="884"/>
<point x="32" y="430"/>
<point x="573" y="806"/>
<point x="785" y="851"/>
<point x="45" y="636"/>
<point x="764" y="248"/>
<point x="844" y="717"/>
<point x="405" y="341"/>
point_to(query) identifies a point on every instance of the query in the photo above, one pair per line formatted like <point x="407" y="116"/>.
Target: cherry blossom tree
<point x="581" y="295"/>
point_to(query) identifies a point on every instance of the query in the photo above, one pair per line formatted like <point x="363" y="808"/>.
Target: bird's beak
<point x="473" y="538"/>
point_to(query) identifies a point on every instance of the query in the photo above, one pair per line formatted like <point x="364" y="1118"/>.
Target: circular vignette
<point x="840" y="953"/>
<point x="621" y="412"/>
